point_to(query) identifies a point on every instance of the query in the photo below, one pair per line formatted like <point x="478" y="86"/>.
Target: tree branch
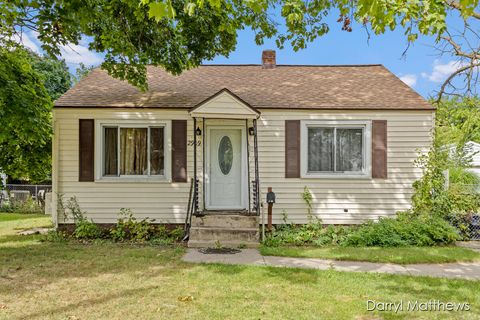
<point x="457" y="6"/>
<point x="458" y="49"/>
<point x="453" y="75"/>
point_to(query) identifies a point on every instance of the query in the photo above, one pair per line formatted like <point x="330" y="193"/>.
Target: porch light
<point x="198" y="131"/>
<point x="251" y="131"/>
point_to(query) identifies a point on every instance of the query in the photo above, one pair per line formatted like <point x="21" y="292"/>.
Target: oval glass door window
<point x="225" y="155"/>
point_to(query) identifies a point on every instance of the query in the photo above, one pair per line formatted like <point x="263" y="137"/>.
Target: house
<point x="474" y="151"/>
<point x="3" y="190"/>
<point x="349" y="133"/>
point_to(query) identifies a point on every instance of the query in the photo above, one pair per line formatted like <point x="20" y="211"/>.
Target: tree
<point x="29" y="83"/>
<point x="55" y="75"/>
<point x="82" y="71"/>
<point x="25" y="117"/>
<point x="179" y="35"/>
<point x="458" y="121"/>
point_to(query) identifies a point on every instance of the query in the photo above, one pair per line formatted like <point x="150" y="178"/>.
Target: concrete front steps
<point x="226" y="230"/>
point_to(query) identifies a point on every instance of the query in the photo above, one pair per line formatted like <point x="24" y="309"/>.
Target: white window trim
<point x="367" y="142"/>
<point x="99" y="154"/>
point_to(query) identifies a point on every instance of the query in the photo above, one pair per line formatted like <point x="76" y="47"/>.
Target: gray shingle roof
<point x="286" y="86"/>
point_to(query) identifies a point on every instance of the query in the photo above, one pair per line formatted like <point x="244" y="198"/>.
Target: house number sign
<point x="191" y="143"/>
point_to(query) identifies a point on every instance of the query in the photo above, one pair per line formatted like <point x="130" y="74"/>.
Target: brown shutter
<point x="379" y="149"/>
<point x="179" y="150"/>
<point x="292" y="148"/>
<point x="86" y="150"/>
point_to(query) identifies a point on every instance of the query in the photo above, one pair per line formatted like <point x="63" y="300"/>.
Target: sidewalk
<point x="469" y="271"/>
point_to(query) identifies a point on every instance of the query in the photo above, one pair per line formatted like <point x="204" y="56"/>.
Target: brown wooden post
<point x="270" y="215"/>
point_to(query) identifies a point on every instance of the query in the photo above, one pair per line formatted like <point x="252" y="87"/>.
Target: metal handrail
<point x="257" y="175"/>
<point x="188" y="217"/>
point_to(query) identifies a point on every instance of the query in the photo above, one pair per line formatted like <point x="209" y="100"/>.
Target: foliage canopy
<point x="179" y="35"/>
<point x="25" y="117"/>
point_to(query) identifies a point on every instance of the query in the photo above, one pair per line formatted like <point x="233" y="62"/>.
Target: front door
<point x="225" y="168"/>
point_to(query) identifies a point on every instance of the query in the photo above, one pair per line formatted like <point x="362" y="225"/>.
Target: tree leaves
<point x="178" y="35"/>
<point x="25" y="118"/>
<point x="160" y="10"/>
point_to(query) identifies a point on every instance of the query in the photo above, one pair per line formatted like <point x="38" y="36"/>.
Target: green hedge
<point x="406" y="229"/>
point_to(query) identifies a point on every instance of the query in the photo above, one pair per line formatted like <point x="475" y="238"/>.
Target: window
<point x="335" y="148"/>
<point x="133" y="151"/>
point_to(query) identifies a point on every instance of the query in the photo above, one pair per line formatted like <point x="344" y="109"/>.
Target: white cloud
<point x="73" y="53"/>
<point x="441" y="71"/>
<point x="76" y="54"/>
<point x="28" y="40"/>
<point x="409" y="79"/>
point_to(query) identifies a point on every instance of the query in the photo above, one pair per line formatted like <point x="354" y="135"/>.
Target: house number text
<point x="191" y="143"/>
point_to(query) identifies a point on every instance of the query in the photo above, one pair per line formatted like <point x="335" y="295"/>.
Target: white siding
<point x="475" y="152"/>
<point x="164" y="201"/>
<point x="408" y="133"/>
<point x="224" y="106"/>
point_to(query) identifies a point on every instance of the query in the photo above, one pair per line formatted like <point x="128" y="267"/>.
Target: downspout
<point x="55" y="171"/>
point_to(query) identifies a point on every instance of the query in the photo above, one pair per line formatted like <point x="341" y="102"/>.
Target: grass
<point x="40" y="280"/>
<point x="401" y="255"/>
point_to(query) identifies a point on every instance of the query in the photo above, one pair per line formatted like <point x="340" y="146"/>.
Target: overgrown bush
<point x="87" y="230"/>
<point x="312" y="233"/>
<point x="163" y="236"/>
<point x="56" y="236"/>
<point x="28" y="206"/>
<point x="457" y="122"/>
<point x="128" y="228"/>
<point x="407" y="229"/>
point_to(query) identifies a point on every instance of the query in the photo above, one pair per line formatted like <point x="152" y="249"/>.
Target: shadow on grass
<point x="25" y="257"/>
<point x="284" y="274"/>
<point x="295" y="276"/>
<point x="424" y="289"/>
<point x="89" y="302"/>
<point x="400" y="255"/>
<point x="224" y="269"/>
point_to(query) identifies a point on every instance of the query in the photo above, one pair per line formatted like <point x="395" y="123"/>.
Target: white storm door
<point x="225" y="169"/>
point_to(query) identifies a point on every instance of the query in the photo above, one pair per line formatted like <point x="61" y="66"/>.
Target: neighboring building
<point x="3" y="189"/>
<point x="348" y="133"/>
<point x="472" y="149"/>
<point x="3" y="178"/>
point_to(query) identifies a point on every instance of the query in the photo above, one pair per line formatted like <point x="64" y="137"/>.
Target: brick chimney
<point x="268" y="59"/>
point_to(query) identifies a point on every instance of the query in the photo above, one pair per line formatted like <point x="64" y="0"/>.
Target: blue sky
<point x="422" y="68"/>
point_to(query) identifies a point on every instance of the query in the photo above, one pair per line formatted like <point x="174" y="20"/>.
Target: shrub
<point x="56" y="236"/>
<point x="406" y="229"/>
<point x="28" y="206"/>
<point x="163" y="236"/>
<point x="129" y="228"/>
<point x="431" y="196"/>
<point x="308" y="199"/>
<point x="86" y="229"/>
<point x="312" y="233"/>
<point x="75" y="210"/>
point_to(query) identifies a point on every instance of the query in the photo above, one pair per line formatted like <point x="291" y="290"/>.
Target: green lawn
<point x="40" y="280"/>
<point x="403" y="255"/>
